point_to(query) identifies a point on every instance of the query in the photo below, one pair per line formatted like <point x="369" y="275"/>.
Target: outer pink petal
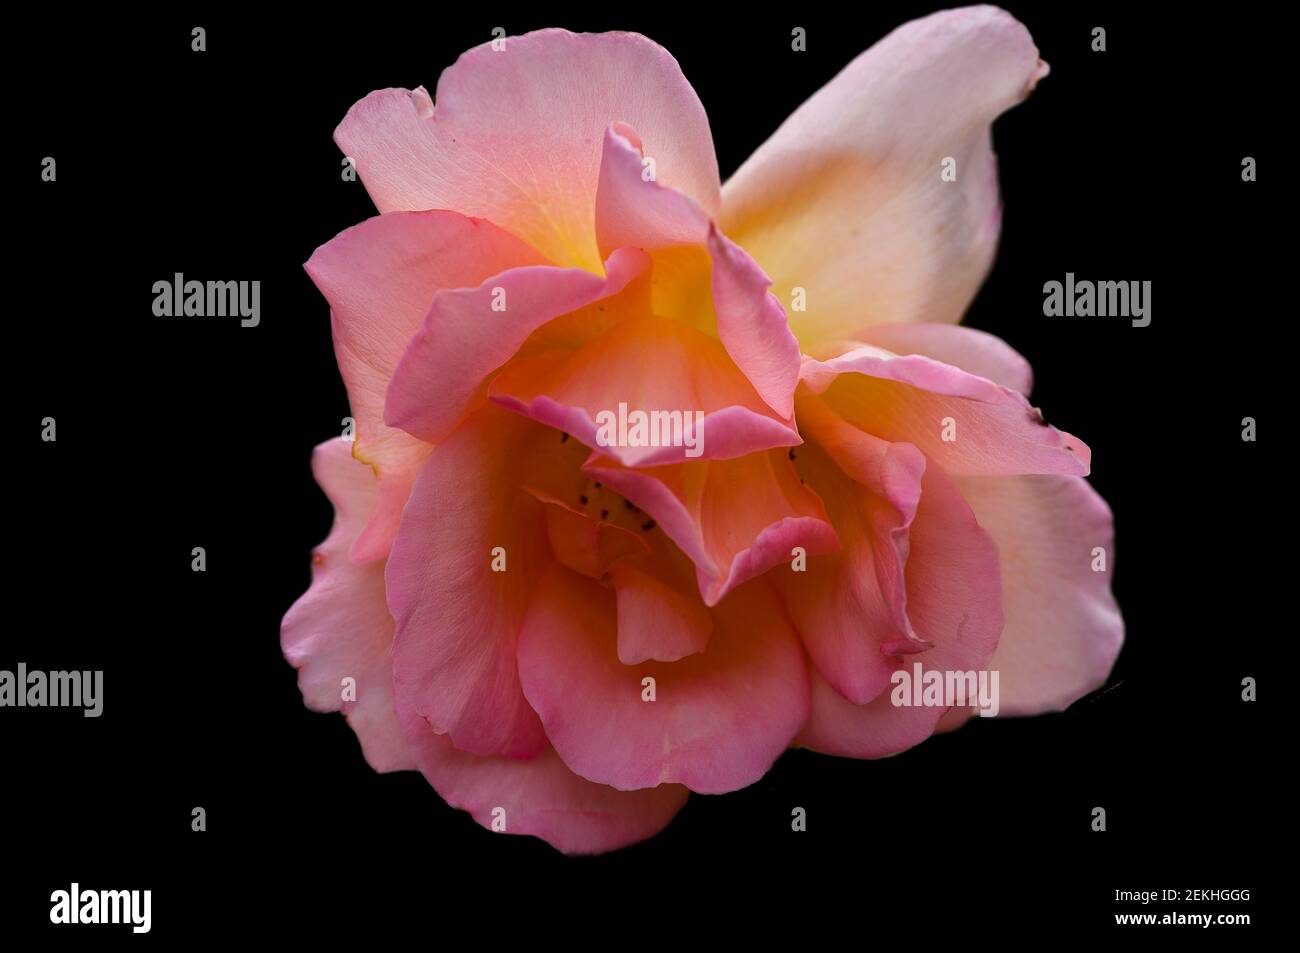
<point x="340" y="627"/>
<point x="457" y="619"/>
<point x="516" y="135"/>
<point x="465" y="338"/>
<point x="910" y="399"/>
<point x="379" y="278"/>
<point x="541" y="796"/>
<point x="977" y="352"/>
<point x="846" y="199"/>
<point x="954" y="597"/>
<point x="735" y="519"/>
<point x="719" y="720"/>
<point x="1063" y="628"/>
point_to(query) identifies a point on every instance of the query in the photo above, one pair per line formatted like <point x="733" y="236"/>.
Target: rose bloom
<point x="567" y="636"/>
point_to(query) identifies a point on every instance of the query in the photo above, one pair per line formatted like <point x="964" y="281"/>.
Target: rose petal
<point x="954" y="599"/>
<point x="457" y="618"/>
<point x="1063" y="629"/>
<point x="976" y="352"/>
<point x="719" y="720"/>
<point x="735" y="519"/>
<point x="540" y="796"/>
<point x="660" y="615"/>
<point x="753" y="325"/>
<point x="583" y="543"/>
<point x="516" y="135"/>
<point x="846" y="199"/>
<point x="340" y="627"/>
<point x="850" y="607"/>
<point x="646" y="365"/>
<point x="633" y="210"/>
<point x="915" y="399"/>
<point x="379" y="278"/>
<point x="472" y="332"/>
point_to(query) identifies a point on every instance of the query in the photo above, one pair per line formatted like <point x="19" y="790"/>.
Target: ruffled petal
<point x="516" y="135"/>
<point x="380" y="278"/>
<point x="340" y="627"/>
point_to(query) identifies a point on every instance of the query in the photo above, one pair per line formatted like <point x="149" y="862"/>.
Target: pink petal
<point x="540" y="796"/>
<point x="953" y="598"/>
<point x="1063" y="628"/>
<point x="976" y="352"/>
<point x="457" y="619"/>
<point x="463" y="340"/>
<point x="752" y="324"/>
<point x="633" y="208"/>
<point x="719" y="720"/>
<point x="850" y="607"/>
<point x="516" y="135"/>
<point x="735" y="519"/>
<point x="846" y="201"/>
<point x="749" y="321"/>
<point x="594" y="531"/>
<point x="379" y="278"/>
<point x="911" y="399"/>
<point x="340" y="627"/>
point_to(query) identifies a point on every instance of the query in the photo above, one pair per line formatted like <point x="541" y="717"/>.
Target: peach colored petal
<point x="647" y="365"/>
<point x="1063" y="629"/>
<point x="976" y="352"/>
<point x="846" y="199"/>
<point x="918" y="400"/>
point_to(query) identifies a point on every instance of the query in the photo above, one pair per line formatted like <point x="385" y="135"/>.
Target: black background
<point x="177" y="433"/>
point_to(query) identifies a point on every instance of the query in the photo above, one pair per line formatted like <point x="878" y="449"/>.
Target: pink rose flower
<point x="566" y="633"/>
